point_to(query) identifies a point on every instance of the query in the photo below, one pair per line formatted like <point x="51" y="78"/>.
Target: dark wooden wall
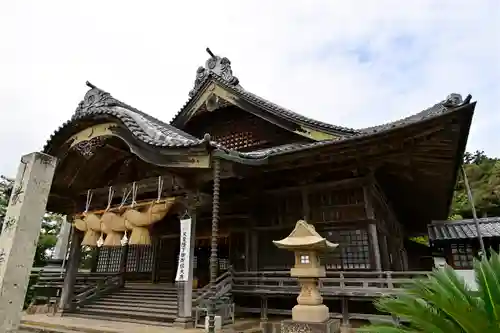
<point x="352" y="213"/>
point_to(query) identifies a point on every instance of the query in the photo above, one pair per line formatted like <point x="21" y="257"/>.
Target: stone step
<point x="129" y="313"/>
<point x="126" y="297"/>
<point x="149" y="291"/>
<point x="150" y="286"/>
<point x="145" y="308"/>
<point x="135" y="301"/>
<point x="121" y="319"/>
<point x="23" y="328"/>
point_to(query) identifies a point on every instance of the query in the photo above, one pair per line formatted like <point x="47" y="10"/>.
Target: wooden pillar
<point x="155" y="242"/>
<point x="263" y="309"/>
<point x="123" y="264"/>
<point x="215" y="236"/>
<point x="306" y="208"/>
<point x="384" y="252"/>
<point x="372" y="232"/>
<point x="254" y="248"/>
<point x="247" y="249"/>
<point x="95" y="253"/>
<point x="404" y="259"/>
<point x="345" y="311"/>
<point x="75" y="252"/>
<point x="397" y="262"/>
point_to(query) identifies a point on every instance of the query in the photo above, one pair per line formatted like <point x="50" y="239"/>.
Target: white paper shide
<point x="185" y="245"/>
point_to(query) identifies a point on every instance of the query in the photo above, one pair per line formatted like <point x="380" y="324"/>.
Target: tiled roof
<point x="144" y="127"/>
<point x="218" y="69"/>
<point x="158" y="133"/>
<point x="280" y="111"/>
<point x="464" y="229"/>
<point x="452" y="102"/>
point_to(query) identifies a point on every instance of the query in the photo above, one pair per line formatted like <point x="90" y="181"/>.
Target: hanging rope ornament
<point x="128" y="226"/>
<point x="139" y="221"/>
<point x="92" y="224"/>
<point x="114" y="223"/>
<point x="78" y="222"/>
<point x="111" y="193"/>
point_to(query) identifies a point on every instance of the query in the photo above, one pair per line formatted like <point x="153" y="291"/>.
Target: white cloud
<point x="303" y="55"/>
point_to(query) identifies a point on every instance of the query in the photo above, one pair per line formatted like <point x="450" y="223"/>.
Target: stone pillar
<point x="20" y="233"/>
<point x="185" y="288"/>
<point x="75" y="252"/>
<point x="62" y="240"/>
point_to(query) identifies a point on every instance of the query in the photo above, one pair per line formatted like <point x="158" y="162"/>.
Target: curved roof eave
<point x="149" y="130"/>
<point x="261" y="103"/>
<point x="453" y="103"/>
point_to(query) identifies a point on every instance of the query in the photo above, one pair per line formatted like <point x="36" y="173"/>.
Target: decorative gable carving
<point x="220" y="66"/>
<point x="94" y="98"/>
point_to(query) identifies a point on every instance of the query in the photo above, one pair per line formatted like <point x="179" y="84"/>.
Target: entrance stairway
<point x="136" y="302"/>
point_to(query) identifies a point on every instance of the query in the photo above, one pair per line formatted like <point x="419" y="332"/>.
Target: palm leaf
<point x="443" y="303"/>
<point x="488" y="280"/>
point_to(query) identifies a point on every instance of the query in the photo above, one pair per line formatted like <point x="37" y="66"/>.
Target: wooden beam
<point x="143" y="186"/>
<point x="338" y="184"/>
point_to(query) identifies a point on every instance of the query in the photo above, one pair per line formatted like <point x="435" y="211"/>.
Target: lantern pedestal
<point x="293" y="326"/>
<point x="310" y="315"/>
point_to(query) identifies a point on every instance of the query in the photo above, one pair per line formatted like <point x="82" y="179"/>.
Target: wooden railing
<point x="224" y="305"/>
<point x="107" y="285"/>
<point x="49" y="284"/>
<point x="223" y="285"/>
<point x="353" y="284"/>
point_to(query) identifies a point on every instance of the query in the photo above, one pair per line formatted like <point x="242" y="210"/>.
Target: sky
<point x="354" y="63"/>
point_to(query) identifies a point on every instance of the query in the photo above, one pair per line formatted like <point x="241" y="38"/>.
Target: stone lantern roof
<point x="305" y="237"/>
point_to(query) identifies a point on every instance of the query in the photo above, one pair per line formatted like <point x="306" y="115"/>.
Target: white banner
<point x="185" y="244"/>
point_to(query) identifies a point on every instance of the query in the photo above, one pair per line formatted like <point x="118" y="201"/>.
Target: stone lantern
<point x="310" y="311"/>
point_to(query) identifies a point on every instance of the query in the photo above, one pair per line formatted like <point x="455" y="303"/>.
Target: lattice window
<point x="224" y="264"/>
<point x="304" y="259"/>
<point x="109" y="259"/>
<point x="353" y="252"/>
<point x="238" y="140"/>
<point x="462" y="255"/>
<point x="140" y="258"/>
<point x="286" y="210"/>
<point x="343" y="205"/>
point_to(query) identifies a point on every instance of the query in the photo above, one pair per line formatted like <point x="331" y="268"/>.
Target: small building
<point x="457" y="241"/>
<point x="245" y="170"/>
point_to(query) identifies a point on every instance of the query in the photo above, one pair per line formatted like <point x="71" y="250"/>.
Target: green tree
<point x="483" y="173"/>
<point x="51" y="224"/>
<point x="443" y="303"/>
<point x="5" y="191"/>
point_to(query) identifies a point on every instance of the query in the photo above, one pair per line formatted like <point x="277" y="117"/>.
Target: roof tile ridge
<point x="98" y="98"/>
<point x="451" y="102"/>
<point x="293" y="114"/>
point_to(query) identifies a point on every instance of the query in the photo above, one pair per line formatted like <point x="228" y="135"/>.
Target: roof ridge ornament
<point x="453" y="100"/>
<point x="94" y="98"/>
<point x="217" y="65"/>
